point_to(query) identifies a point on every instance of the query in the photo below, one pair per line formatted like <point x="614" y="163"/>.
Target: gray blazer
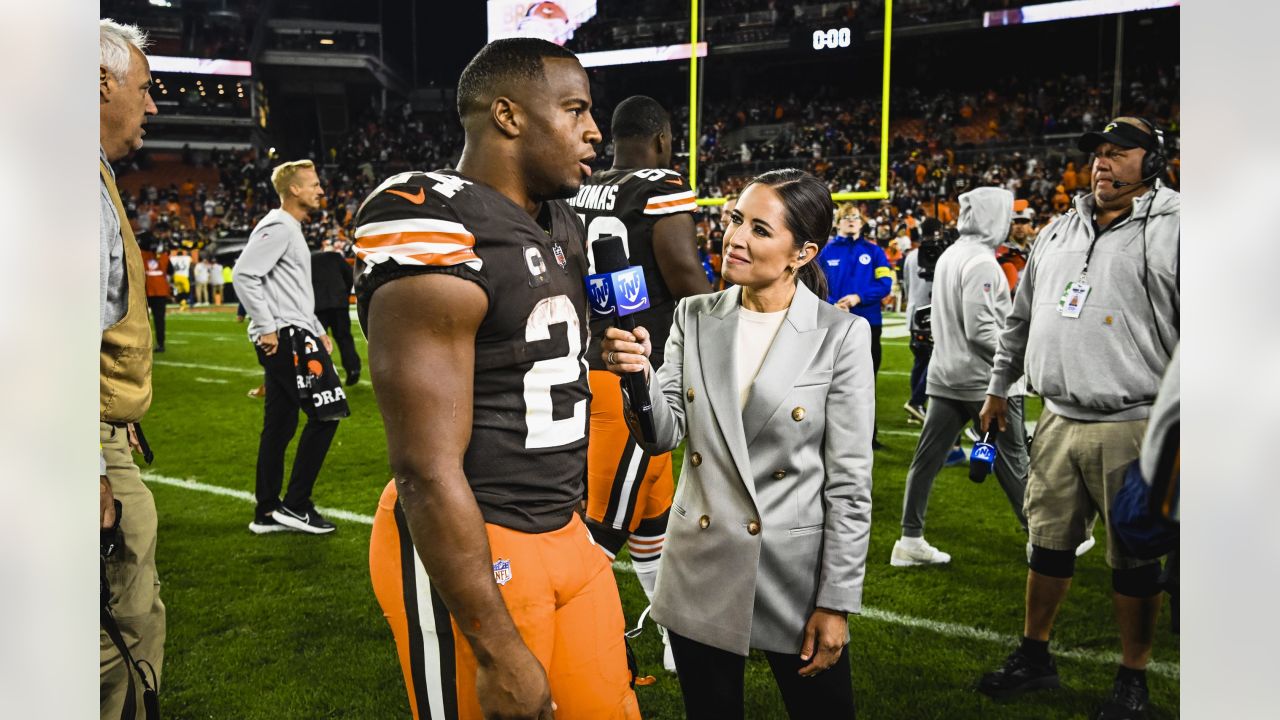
<point x="772" y="516"/>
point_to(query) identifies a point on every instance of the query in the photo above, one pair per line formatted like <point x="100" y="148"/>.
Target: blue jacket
<point x="857" y="267"/>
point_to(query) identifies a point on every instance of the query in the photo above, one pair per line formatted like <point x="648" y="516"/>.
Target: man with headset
<point x="1093" y="326"/>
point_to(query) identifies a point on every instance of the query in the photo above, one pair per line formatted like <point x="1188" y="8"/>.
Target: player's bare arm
<point x="676" y="249"/>
<point x="422" y="357"/>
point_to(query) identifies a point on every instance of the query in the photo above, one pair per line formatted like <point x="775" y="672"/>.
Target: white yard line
<point x="246" y="496"/>
<point x="212" y="368"/>
<point x="215" y="381"/>
<point x="973" y="633"/>
<point x="936" y="626"/>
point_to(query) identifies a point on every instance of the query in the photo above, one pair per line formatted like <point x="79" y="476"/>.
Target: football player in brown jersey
<point x="473" y="301"/>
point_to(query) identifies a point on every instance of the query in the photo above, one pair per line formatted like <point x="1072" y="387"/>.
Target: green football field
<point x="286" y="625"/>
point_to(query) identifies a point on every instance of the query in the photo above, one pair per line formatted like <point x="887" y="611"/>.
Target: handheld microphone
<point x="618" y="290"/>
<point x="981" y="459"/>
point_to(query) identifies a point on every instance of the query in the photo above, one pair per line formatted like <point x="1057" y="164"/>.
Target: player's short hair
<point x="501" y="64"/>
<point x="114" y="43"/>
<point x="639" y="116"/>
<point x="282" y="175"/>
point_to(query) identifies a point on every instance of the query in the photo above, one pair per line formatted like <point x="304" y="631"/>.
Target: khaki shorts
<point x="1076" y="469"/>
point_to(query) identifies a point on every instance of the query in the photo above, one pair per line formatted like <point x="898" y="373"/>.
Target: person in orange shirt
<point x="155" y="266"/>
<point x="1069" y="180"/>
<point x="1061" y="201"/>
<point x="1012" y="255"/>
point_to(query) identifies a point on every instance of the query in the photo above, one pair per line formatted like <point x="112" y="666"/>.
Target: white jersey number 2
<point x="543" y="430"/>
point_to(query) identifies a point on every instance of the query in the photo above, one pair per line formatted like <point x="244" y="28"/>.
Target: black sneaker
<point x="265" y="524"/>
<point x="308" y="522"/>
<point x="1018" y="675"/>
<point x="353" y="377"/>
<point x="1129" y="700"/>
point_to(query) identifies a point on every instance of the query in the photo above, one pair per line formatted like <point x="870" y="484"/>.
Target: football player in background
<point x="651" y="208"/>
<point x="473" y="300"/>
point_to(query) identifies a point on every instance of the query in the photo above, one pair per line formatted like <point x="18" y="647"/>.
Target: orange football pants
<point x="625" y="485"/>
<point x="560" y="591"/>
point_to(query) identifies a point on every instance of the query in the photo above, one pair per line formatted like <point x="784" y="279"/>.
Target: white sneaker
<point x="972" y="434"/>
<point x="915" y="411"/>
<point x="908" y="552"/>
<point x="1085" y="546"/>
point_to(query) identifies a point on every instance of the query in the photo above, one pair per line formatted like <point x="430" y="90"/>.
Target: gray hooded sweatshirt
<point x="1107" y="364"/>
<point x="970" y="298"/>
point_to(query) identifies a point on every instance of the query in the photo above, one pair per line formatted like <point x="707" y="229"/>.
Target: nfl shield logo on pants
<point x="502" y="571"/>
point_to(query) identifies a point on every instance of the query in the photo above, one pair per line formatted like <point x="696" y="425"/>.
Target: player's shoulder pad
<point x="409" y="219"/>
<point x="664" y="192"/>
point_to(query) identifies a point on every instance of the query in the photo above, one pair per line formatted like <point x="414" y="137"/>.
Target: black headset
<point x="1156" y="159"/>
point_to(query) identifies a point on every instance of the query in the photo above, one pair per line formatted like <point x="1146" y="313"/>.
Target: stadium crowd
<point x="942" y="144"/>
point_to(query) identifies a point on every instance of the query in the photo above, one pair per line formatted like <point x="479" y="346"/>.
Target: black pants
<point x="920" y="374"/>
<point x="338" y="323"/>
<point x="875" y="348"/>
<point x="711" y="681"/>
<point x="158" y="305"/>
<point x="279" y="422"/>
<point x="876" y="354"/>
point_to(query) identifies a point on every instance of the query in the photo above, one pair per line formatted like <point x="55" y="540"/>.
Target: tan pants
<point x="1076" y="470"/>
<point x="131" y="573"/>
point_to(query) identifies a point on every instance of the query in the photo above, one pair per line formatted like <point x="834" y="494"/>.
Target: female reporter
<point x="773" y="389"/>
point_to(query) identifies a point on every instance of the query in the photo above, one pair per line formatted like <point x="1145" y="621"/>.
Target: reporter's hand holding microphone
<point x="626" y="352"/>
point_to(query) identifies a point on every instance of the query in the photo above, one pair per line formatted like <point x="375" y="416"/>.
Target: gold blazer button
<point x="696" y="459"/>
<point x="689" y="394"/>
<point x="797" y="414"/>
<point x="753" y="527"/>
<point x="704" y="522"/>
<point x="779" y="474"/>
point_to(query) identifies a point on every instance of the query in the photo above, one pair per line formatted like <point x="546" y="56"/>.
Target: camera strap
<point x="150" y="699"/>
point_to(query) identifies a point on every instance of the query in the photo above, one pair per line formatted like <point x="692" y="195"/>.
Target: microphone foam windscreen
<point x="609" y="254"/>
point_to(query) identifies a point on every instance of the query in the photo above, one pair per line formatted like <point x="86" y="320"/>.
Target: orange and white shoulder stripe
<point x="417" y="241"/>
<point x="673" y="203"/>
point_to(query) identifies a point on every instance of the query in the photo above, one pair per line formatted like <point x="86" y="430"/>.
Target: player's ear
<point x="506" y="116"/>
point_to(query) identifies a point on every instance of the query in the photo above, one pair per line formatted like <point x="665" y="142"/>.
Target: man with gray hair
<point x="133" y="626"/>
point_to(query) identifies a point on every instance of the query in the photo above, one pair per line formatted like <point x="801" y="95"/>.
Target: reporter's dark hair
<point x="808" y="216"/>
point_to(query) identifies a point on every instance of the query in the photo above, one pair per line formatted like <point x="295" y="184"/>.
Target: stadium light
<point x="882" y="190"/>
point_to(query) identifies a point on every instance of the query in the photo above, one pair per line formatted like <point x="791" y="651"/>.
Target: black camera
<point x="922" y="328"/>
<point x="932" y="245"/>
